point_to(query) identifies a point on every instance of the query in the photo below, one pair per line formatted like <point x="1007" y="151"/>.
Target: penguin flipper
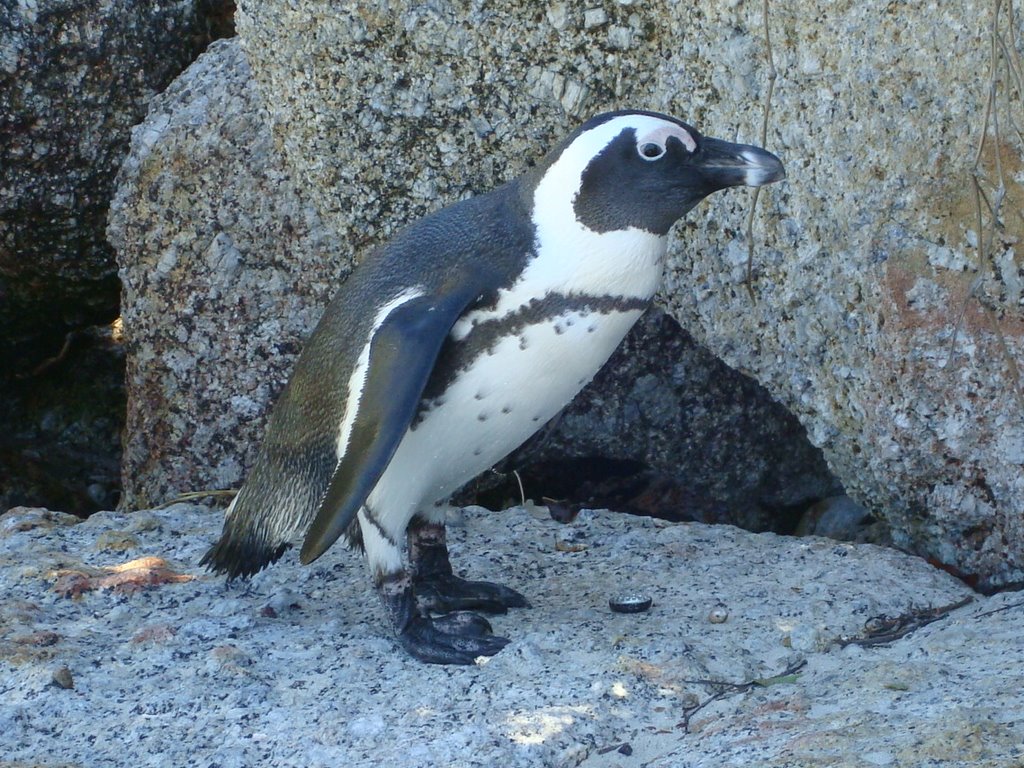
<point x="403" y="351"/>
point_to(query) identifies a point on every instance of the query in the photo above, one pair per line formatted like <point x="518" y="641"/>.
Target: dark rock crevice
<point x="74" y="78"/>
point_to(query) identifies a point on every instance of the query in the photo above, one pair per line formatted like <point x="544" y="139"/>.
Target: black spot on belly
<point x="481" y="417"/>
<point x="559" y="330"/>
<point x="484" y="336"/>
<point x="477" y="451"/>
<point x="506" y="409"/>
<point x="478" y="396"/>
<point x="536" y="418"/>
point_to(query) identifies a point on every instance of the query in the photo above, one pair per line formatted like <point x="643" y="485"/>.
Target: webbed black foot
<point x="456" y="638"/>
<point x="442" y="593"/>
<point x="460" y="637"/>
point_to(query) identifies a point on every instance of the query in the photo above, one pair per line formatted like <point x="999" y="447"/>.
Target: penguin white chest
<point x="504" y="395"/>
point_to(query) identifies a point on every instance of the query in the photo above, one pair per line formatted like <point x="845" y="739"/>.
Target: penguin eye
<point x="650" y="151"/>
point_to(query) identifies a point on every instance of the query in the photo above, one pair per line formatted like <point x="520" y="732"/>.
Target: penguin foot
<point x="438" y="589"/>
<point x="456" y="638"/>
<point x="445" y="592"/>
<point x="459" y="637"/>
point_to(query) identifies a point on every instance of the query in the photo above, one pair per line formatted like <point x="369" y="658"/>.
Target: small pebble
<point x="718" y="615"/>
<point x="560" y="512"/>
<point x="877" y="624"/>
<point x="62" y="678"/>
<point x="279" y="603"/>
<point x="630" y="602"/>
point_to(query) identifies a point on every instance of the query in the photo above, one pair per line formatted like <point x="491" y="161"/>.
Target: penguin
<point x="450" y="345"/>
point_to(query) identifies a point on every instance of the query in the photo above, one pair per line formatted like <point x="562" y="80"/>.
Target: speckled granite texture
<point x="864" y="325"/>
<point x="74" y="78"/>
<point x="216" y="302"/>
<point x="864" y="258"/>
<point x="161" y="663"/>
<point x="226" y="266"/>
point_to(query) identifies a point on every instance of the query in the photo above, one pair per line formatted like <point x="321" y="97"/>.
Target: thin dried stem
<point x="772" y="76"/>
<point x="1005" y="53"/>
<point x="1008" y="359"/>
<point x="226" y="493"/>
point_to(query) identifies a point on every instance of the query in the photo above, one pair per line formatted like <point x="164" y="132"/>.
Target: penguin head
<point x="644" y="170"/>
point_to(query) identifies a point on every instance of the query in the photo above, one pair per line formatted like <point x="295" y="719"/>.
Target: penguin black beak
<point x="724" y="164"/>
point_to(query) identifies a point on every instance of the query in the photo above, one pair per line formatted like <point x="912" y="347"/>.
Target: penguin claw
<point x="456" y="638"/>
<point x="445" y="593"/>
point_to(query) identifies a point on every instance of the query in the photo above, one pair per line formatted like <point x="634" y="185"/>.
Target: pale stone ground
<point x="297" y="668"/>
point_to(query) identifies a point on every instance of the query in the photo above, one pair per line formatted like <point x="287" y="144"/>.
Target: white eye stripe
<point x="659" y="137"/>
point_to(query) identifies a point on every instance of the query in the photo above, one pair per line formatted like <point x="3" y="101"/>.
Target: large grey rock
<point x="226" y="265"/>
<point x="865" y="261"/>
<point x="392" y="109"/>
<point x="225" y="270"/>
<point x="298" y="668"/>
<point x="864" y="258"/>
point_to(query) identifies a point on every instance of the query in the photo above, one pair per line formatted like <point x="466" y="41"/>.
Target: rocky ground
<point x="116" y="649"/>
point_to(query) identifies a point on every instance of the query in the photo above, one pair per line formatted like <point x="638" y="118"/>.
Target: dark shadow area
<point x="62" y="395"/>
<point x="569" y="485"/>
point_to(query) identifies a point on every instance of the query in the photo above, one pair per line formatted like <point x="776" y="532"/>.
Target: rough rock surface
<point x="225" y="271"/>
<point x="863" y="324"/>
<point x="865" y="259"/>
<point x="115" y="648"/>
<point x="226" y="266"/>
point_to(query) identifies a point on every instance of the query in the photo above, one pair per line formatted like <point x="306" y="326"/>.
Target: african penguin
<point x="448" y="346"/>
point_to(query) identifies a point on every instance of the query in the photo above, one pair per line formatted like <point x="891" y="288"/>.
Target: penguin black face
<point x="648" y="170"/>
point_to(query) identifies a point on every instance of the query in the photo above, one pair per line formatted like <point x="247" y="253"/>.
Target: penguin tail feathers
<point x="261" y="522"/>
<point x="240" y="559"/>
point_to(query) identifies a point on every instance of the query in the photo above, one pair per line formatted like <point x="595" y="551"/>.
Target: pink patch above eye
<point x="662" y="134"/>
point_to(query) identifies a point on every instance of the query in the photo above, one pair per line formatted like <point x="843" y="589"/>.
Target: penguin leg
<point x="457" y="638"/>
<point x="437" y="588"/>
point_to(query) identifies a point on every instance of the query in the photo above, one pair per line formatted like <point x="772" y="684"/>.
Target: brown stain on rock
<point x="953" y="210"/>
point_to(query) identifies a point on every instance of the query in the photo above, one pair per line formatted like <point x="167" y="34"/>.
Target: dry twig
<point x="880" y="630"/>
<point x="193" y="495"/>
<point x="724" y="688"/>
<point x="772" y="75"/>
